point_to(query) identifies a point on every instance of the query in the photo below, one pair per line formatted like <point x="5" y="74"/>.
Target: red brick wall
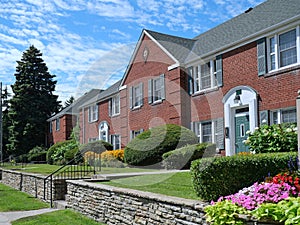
<point x="170" y="110"/>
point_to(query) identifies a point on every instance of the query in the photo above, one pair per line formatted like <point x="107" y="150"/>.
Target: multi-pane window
<point x="210" y="131"/>
<point x="103" y="131"/>
<point x="284" y="116"/>
<point x="156" y="89"/>
<point x="134" y="133"/>
<point x="115" y="141"/>
<point x="57" y="124"/>
<point x="114" y="105"/>
<point x="206" y="132"/>
<point x="283" y="49"/>
<point x="93" y="113"/>
<point x="136" y="96"/>
<point x="204" y="76"/>
<point x="92" y="139"/>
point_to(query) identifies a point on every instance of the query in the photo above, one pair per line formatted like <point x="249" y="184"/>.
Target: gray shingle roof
<point x="179" y="47"/>
<point x="260" y="18"/>
<point x="73" y="109"/>
<point x="113" y="89"/>
<point x="265" y="15"/>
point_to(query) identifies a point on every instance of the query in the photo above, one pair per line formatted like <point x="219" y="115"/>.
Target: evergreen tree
<point x="69" y="101"/>
<point x="32" y="104"/>
<point x="5" y="121"/>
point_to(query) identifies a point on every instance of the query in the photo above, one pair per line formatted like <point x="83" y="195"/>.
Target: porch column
<point x="298" y="125"/>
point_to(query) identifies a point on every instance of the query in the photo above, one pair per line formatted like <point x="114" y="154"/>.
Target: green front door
<point x="241" y="127"/>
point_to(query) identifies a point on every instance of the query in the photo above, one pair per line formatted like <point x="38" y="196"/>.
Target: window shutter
<point x="150" y="87"/>
<point x="261" y="57"/>
<point x="130" y="97"/>
<point x="89" y="114"/>
<point x="142" y="93"/>
<point x="162" y="82"/>
<point x="264" y="117"/>
<point x="219" y="71"/>
<point x="220" y="133"/>
<point x="141" y="130"/>
<point x="110" y="107"/>
<point x="190" y="81"/>
<point x="131" y="134"/>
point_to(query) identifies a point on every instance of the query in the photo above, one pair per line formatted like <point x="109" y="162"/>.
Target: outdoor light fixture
<point x="237" y="98"/>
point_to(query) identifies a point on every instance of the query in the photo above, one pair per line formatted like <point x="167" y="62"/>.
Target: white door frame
<point x="248" y="98"/>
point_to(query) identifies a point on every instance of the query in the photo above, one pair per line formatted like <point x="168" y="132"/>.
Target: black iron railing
<point x="71" y="171"/>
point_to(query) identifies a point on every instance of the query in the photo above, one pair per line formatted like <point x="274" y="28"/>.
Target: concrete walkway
<point x="7" y="217"/>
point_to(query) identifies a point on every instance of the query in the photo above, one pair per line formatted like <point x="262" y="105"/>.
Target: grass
<point x="174" y="184"/>
<point x="46" y="169"/>
<point x="14" y="200"/>
<point x="61" y="217"/>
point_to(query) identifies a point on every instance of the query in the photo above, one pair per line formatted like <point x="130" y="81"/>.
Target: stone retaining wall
<point x="112" y="205"/>
<point x="33" y="184"/>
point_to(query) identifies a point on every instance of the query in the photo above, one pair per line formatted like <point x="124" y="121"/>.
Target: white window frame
<point x="198" y="76"/>
<point x="137" y="96"/>
<point x="93" y="113"/>
<point x="103" y="128"/>
<point x="276" y="53"/>
<point x="134" y="133"/>
<point x="279" y="113"/>
<point x="57" y="124"/>
<point x="50" y="127"/>
<point x="92" y="139"/>
<point x="115" y="105"/>
<point x="199" y="131"/>
<point x="114" y="142"/>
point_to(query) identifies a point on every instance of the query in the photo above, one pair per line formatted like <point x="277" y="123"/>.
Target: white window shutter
<point x="219" y="70"/>
<point x="142" y="93"/>
<point x="110" y="107"/>
<point x="131" y="97"/>
<point x="190" y="81"/>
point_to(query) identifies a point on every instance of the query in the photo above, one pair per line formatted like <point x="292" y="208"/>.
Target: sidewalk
<point x="7" y="217"/>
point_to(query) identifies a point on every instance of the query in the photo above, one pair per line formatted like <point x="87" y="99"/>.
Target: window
<point x="114" y="105"/>
<point x="205" y="76"/>
<point x="156" y="89"/>
<point x="57" y="124"/>
<point x="93" y="139"/>
<point x="115" y="141"/>
<point x="135" y="133"/>
<point x="136" y="96"/>
<point x="282" y="49"/>
<point x="50" y="127"/>
<point x="210" y="131"/>
<point x="103" y="131"/>
<point x="284" y="116"/>
<point x="93" y="113"/>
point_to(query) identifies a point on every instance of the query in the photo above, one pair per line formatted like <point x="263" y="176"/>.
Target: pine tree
<point x="32" y="104"/>
<point x="69" y="101"/>
<point x="5" y="121"/>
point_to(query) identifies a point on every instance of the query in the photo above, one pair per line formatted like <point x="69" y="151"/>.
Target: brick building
<point x="220" y="84"/>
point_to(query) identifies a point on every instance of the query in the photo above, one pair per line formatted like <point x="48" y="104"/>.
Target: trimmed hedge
<point x="96" y="146"/>
<point x="182" y="158"/>
<point x="148" y="147"/>
<point x="221" y="176"/>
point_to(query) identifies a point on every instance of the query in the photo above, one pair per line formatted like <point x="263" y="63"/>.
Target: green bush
<point x="181" y="158"/>
<point x="96" y="146"/>
<point x="62" y="152"/>
<point x="274" y="138"/>
<point x="37" y="154"/>
<point x="148" y="147"/>
<point x="222" y="176"/>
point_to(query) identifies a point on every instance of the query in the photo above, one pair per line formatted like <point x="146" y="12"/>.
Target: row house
<point x="61" y="124"/>
<point x="220" y="84"/>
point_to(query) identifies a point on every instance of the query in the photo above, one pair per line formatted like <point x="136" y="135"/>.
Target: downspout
<point x="298" y="125"/>
<point x="83" y="127"/>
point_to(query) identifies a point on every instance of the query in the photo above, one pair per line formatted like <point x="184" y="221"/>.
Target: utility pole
<point x="1" y="127"/>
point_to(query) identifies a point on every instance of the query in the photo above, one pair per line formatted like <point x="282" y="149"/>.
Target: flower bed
<point x="277" y="199"/>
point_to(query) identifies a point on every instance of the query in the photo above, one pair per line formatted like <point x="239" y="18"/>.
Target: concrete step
<point x="60" y="204"/>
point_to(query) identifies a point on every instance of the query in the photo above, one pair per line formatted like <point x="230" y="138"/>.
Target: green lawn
<point x="61" y="217"/>
<point x="174" y="184"/>
<point x="14" y="200"/>
<point x="46" y="169"/>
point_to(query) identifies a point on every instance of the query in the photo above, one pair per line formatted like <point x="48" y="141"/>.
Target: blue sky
<point x="88" y="43"/>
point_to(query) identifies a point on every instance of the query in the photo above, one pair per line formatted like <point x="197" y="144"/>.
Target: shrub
<point x="62" y="152"/>
<point x="221" y="176"/>
<point x="38" y="153"/>
<point x="96" y="147"/>
<point x="274" y="138"/>
<point x="148" y="147"/>
<point x="113" y="158"/>
<point x="181" y="158"/>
